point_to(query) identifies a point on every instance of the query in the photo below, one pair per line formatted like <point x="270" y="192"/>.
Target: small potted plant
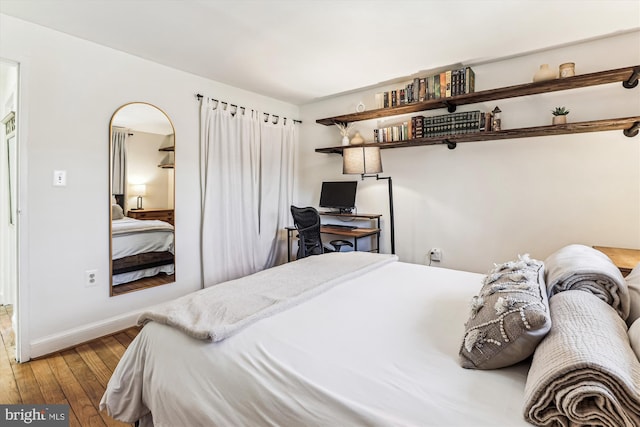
<point x="559" y="115"/>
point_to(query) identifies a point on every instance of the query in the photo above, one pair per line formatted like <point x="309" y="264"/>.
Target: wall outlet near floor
<point x="436" y="254"/>
<point x="90" y="278"/>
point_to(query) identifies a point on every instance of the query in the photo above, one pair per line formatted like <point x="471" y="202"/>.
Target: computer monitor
<point x="338" y="195"/>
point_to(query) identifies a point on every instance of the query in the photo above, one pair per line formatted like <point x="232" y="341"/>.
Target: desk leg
<point x="288" y="245"/>
<point x="355" y="244"/>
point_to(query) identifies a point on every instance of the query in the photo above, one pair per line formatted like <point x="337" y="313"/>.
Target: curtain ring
<point x="274" y="119"/>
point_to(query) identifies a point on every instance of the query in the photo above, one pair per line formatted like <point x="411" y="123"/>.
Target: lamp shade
<point x="139" y="190"/>
<point x="361" y="160"/>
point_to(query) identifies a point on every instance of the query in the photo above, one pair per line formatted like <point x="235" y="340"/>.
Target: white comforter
<point x="133" y="236"/>
<point x="378" y="350"/>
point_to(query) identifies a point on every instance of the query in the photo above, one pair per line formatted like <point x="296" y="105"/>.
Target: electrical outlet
<point x="436" y="254"/>
<point x="60" y="178"/>
<point x="90" y="278"/>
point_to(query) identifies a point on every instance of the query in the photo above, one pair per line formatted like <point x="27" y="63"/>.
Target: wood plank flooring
<point x="77" y="376"/>
<point x="147" y="282"/>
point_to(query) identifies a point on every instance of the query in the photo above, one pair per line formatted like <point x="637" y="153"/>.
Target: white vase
<point x="544" y="73"/>
<point x="345" y="140"/>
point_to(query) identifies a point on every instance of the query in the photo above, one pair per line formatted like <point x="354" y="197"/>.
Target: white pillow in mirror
<point x="633" y="283"/>
<point x="116" y="212"/>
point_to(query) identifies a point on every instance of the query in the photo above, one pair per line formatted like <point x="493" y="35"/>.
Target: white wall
<point x="143" y="159"/>
<point x="486" y="202"/>
<point x="71" y="89"/>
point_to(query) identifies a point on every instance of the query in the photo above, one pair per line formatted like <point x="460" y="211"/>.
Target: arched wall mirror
<point x="141" y="176"/>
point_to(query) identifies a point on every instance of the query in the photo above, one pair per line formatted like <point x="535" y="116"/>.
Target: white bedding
<point x="379" y="350"/>
<point x="133" y="236"/>
<point x="119" y="279"/>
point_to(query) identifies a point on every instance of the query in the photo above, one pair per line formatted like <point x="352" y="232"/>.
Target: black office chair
<point x="307" y="222"/>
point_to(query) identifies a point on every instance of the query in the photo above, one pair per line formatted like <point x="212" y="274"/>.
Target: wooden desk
<point x="355" y="234"/>
<point x="624" y="259"/>
<point x="370" y="217"/>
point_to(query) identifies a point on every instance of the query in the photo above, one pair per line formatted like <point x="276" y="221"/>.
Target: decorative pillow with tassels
<point x="508" y="318"/>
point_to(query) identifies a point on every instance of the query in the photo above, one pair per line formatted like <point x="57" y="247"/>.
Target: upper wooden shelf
<point x="630" y="126"/>
<point x="627" y="75"/>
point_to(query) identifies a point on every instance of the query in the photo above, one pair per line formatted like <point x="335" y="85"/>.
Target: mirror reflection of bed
<point x="142" y="143"/>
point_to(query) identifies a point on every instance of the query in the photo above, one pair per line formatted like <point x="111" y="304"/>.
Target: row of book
<point x="443" y="85"/>
<point x="434" y="126"/>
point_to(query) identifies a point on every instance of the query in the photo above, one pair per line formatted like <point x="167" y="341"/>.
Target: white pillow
<point x="633" y="283"/>
<point x="634" y="337"/>
<point x="116" y="212"/>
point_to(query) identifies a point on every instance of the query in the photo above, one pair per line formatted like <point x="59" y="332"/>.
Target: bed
<point x="374" y="346"/>
<point x="141" y="248"/>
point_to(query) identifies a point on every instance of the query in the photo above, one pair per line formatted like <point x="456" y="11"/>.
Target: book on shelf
<point x="436" y="85"/>
<point x="470" y="80"/>
<point x="416" y="89"/>
<point x="392" y="133"/>
<point x="446" y="84"/>
<point x="379" y="97"/>
<point x="447" y="79"/>
<point x="422" y="90"/>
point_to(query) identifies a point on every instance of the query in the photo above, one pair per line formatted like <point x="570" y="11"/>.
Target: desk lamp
<point x="366" y="162"/>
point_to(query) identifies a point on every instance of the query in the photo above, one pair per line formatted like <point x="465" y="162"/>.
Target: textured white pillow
<point x="116" y="212"/>
<point x="634" y="337"/>
<point x="633" y="283"/>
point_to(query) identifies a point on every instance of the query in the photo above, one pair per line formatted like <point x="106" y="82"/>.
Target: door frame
<point x="21" y="310"/>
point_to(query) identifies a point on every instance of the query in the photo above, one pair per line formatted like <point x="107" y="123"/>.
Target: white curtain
<point x="118" y="160"/>
<point x="246" y="183"/>
<point x="277" y="155"/>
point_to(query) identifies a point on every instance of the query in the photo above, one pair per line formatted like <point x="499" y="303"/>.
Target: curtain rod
<point x="199" y="97"/>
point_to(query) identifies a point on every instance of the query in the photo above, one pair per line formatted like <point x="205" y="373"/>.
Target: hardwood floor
<point x="77" y="376"/>
<point x="147" y="282"/>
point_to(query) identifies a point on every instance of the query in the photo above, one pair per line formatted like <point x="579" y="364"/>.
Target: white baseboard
<point x="79" y="335"/>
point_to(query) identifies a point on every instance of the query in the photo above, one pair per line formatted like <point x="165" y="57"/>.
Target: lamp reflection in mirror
<point x="139" y="190"/>
<point x="366" y="162"/>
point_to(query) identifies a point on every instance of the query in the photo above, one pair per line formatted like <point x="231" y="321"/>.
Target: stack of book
<point x="392" y="133"/>
<point x="443" y="85"/>
<point x="453" y="124"/>
<point x="434" y="126"/>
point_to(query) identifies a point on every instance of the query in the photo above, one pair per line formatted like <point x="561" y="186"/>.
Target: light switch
<point x="59" y="178"/>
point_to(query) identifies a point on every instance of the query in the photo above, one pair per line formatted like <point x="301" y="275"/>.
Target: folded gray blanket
<point x="584" y="371"/>
<point x="583" y="268"/>
<point x="219" y="311"/>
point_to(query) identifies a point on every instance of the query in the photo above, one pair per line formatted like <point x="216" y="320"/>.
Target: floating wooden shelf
<point x="172" y="148"/>
<point x="629" y="124"/>
<point x="627" y="75"/>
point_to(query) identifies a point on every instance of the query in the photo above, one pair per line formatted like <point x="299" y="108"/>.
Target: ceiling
<point x="299" y="51"/>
